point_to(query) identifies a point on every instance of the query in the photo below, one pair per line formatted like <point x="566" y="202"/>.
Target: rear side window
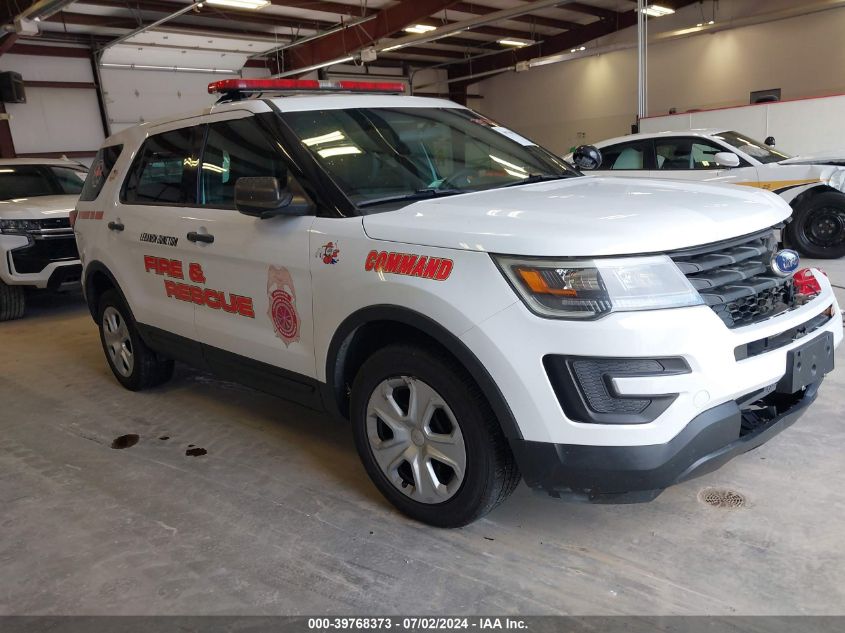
<point x="99" y="172"/>
<point x="236" y="149"/>
<point x="624" y="156"/>
<point x="164" y="172"/>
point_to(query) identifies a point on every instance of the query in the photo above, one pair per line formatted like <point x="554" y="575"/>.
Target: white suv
<point x="478" y="310"/>
<point x="37" y="249"/>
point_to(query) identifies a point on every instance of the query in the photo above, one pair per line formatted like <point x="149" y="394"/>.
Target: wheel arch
<point x="371" y="328"/>
<point x="797" y="196"/>
<point x="98" y="279"/>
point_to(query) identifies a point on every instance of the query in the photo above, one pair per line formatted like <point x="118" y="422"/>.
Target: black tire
<point x="147" y="369"/>
<point x="818" y="226"/>
<point x="12" y="302"/>
<point x="490" y="474"/>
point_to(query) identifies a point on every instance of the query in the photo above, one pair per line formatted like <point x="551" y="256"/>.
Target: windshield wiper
<point x="538" y="178"/>
<point x="419" y="194"/>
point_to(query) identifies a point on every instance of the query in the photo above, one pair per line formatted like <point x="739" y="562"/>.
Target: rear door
<point x="633" y="159"/>
<point x="149" y="227"/>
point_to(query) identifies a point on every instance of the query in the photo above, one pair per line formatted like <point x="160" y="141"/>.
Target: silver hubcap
<point x="416" y="440"/>
<point x="118" y="342"/>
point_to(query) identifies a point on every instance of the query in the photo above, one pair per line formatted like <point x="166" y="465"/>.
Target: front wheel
<point x="134" y="365"/>
<point x="12" y="302"/>
<point x="818" y="226"/>
<point x="428" y="438"/>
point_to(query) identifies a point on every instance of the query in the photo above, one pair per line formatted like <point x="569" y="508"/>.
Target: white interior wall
<point x="594" y="98"/>
<point x="54" y="119"/>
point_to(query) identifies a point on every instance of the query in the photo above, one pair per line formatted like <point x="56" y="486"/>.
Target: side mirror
<point x="770" y="141"/>
<point x="262" y="197"/>
<point x="587" y="157"/>
<point x="726" y="159"/>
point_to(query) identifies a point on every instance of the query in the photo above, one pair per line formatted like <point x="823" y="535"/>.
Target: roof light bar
<point x="303" y="85"/>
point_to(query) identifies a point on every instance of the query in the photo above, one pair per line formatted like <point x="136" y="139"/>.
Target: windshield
<point x="377" y="155"/>
<point x="30" y="181"/>
<point x="755" y="149"/>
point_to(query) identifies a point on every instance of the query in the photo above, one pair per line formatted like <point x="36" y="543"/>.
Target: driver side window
<point x="238" y="149"/>
<point x="686" y="154"/>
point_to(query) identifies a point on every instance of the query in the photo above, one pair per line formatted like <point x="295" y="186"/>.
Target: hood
<point x="583" y="216"/>
<point x="38" y="207"/>
<point x="834" y="157"/>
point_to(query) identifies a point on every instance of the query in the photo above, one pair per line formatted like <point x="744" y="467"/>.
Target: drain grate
<point x="721" y="498"/>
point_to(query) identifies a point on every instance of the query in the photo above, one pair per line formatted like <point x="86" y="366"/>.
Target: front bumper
<point x="621" y="474"/>
<point x="724" y="365"/>
<point x="42" y="261"/>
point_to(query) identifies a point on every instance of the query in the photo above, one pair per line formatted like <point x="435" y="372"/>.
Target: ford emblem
<point x="784" y="262"/>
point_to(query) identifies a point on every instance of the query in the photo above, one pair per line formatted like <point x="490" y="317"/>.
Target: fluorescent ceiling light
<point x="239" y="4"/>
<point x="419" y="28"/>
<point x="512" y="41"/>
<point x="654" y="10"/>
<point x="580" y="48"/>
<point x="180" y="69"/>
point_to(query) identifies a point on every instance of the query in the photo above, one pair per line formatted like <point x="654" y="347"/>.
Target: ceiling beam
<point x="104" y="21"/>
<point x="553" y="23"/>
<point x="599" y="12"/>
<point x="348" y="41"/>
<point x="8" y="42"/>
<point x="209" y="12"/>
<point x="554" y="44"/>
<point x="326" y="7"/>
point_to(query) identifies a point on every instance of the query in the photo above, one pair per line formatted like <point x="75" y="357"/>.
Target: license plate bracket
<point x="807" y="363"/>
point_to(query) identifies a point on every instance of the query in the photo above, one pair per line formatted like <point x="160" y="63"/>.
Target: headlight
<point x="837" y="180"/>
<point x="592" y="288"/>
<point x="20" y="227"/>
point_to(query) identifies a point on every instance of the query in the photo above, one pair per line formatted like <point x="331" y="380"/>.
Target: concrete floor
<point x="279" y="518"/>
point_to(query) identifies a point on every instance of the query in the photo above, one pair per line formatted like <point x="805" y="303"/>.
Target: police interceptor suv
<point x="476" y="308"/>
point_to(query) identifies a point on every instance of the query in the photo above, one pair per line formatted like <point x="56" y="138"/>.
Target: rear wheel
<point x="12" y="302"/>
<point x="818" y="226"/>
<point x="134" y="365"/>
<point x="428" y="438"/>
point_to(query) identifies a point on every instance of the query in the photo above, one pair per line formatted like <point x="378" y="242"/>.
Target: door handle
<point x="115" y="226"/>
<point x="193" y="236"/>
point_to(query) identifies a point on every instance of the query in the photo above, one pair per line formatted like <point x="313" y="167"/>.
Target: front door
<point x="255" y="311"/>
<point x="694" y="158"/>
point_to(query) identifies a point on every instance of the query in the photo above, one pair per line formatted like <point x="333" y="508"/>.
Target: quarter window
<point x="164" y="171"/>
<point x="100" y="170"/>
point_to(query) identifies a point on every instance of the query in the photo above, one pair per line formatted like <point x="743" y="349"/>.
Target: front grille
<point x="54" y="223"/>
<point x="735" y="280"/>
<point x="41" y="252"/>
